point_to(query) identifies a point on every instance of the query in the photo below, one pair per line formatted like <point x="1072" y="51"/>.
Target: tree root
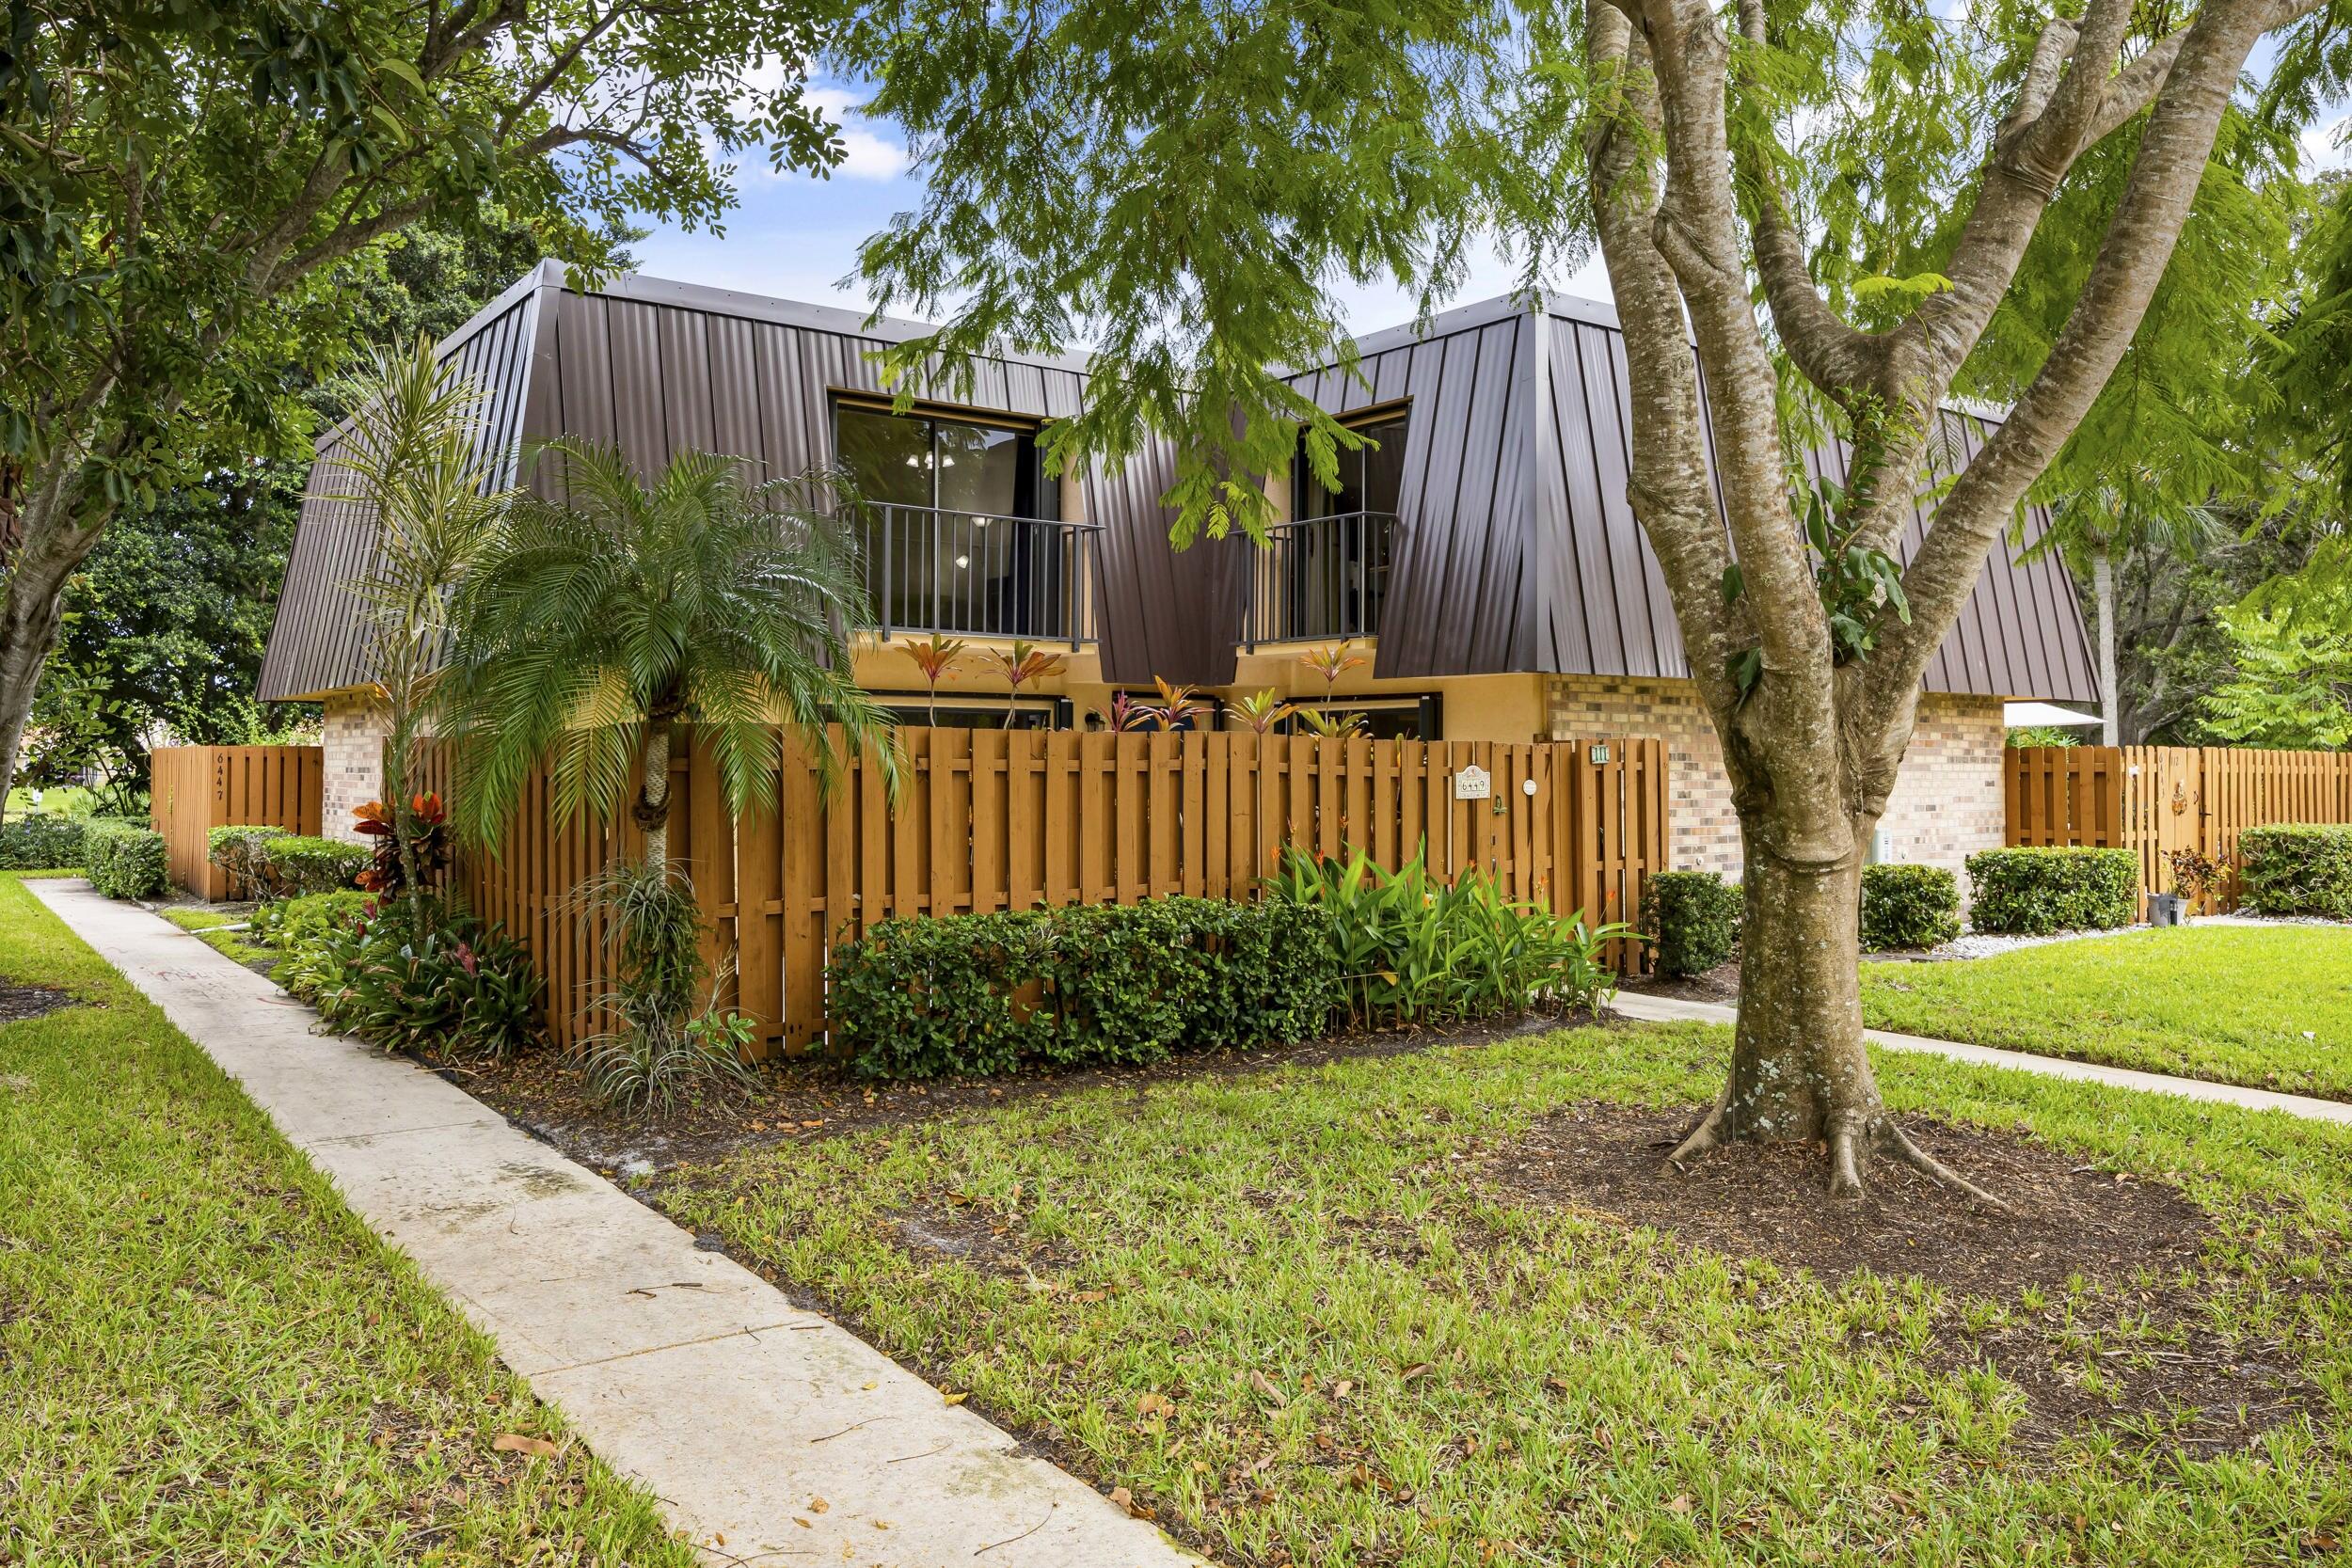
<point x="1709" y="1133"/>
<point x="1855" y="1133"/>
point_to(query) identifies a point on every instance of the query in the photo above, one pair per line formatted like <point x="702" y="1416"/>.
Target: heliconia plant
<point x="935" y="656"/>
<point x="1027" y="662"/>
<point x="1260" y="711"/>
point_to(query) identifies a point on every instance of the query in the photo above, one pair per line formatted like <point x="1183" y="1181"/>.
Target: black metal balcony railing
<point x="978" y="575"/>
<point x="1319" y="579"/>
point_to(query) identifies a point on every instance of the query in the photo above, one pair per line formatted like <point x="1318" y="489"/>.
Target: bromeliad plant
<point x="662" y="1029"/>
<point x="1412" y="949"/>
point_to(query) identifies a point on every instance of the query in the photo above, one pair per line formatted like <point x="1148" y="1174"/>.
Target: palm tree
<point x="433" y="489"/>
<point x="592" y="626"/>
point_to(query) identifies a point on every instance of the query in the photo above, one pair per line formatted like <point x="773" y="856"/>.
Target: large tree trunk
<point x="2103" y="606"/>
<point x="55" y="541"/>
<point x="1800" y="1072"/>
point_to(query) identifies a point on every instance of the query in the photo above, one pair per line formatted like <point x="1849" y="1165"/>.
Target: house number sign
<point x="1473" y="783"/>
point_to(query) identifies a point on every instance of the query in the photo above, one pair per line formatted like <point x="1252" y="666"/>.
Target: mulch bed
<point x="2067" y="1219"/>
<point x="18" y="1002"/>
<point x="543" y="1093"/>
<point x="1718" y="984"/>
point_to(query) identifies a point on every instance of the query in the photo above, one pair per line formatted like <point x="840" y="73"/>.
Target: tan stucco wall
<point x="1475" y="707"/>
<point x="1947" y="803"/>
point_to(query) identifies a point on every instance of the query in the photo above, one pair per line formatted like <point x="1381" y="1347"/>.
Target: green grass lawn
<point x="57" y="800"/>
<point x="210" y="927"/>
<point x="1289" y="1314"/>
<point x="206" y="1359"/>
<point x="2266" y="1006"/>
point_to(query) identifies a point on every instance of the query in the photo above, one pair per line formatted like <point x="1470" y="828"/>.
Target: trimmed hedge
<point x="1691" y="919"/>
<point x="2296" y="868"/>
<point x="123" y="859"/>
<point x="41" y="842"/>
<point x="1906" y="906"/>
<point x="989" y="993"/>
<point x="242" y="850"/>
<point x="2037" y="891"/>
<point x="298" y="865"/>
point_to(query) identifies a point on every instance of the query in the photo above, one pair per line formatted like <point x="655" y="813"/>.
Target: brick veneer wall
<point x="1947" y="799"/>
<point x="354" y="747"/>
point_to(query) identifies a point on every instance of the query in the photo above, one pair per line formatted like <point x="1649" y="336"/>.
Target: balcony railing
<point x="978" y="575"/>
<point x="1319" y="579"/>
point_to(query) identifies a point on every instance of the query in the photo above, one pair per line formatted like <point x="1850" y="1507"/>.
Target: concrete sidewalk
<point x="768" y="1432"/>
<point x="1666" y="1010"/>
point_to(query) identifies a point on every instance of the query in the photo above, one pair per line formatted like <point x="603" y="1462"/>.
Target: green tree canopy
<point x="181" y="182"/>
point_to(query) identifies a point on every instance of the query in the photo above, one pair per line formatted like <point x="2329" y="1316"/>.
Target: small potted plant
<point x="2195" y="877"/>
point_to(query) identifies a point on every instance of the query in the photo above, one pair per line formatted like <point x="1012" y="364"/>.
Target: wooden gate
<point x="194" y="789"/>
<point x="2154" y="800"/>
<point x="1017" y="819"/>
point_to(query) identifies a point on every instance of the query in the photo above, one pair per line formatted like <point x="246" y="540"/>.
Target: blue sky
<point x="795" y="237"/>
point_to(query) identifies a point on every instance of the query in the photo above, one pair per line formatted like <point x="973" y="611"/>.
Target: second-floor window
<point x="1325" y="572"/>
<point x="955" y="518"/>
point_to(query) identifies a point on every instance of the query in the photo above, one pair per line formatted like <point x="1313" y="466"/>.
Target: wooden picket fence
<point x="2154" y="800"/>
<point x="194" y="789"/>
<point x="998" y="819"/>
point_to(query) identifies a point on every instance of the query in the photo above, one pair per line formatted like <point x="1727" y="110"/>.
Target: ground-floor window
<point x="965" y="712"/>
<point x="1408" y="716"/>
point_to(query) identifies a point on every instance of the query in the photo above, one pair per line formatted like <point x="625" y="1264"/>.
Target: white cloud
<point x="2327" y="144"/>
<point x="870" y="156"/>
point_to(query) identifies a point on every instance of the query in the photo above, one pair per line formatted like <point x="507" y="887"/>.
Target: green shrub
<point x="1691" y="919"/>
<point x="290" y="922"/>
<point x="240" y="849"/>
<point x="1908" y="907"/>
<point x="296" y="865"/>
<point x="1410" y="949"/>
<point x="123" y="859"/>
<point x="984" y="994"/>
<point x="2296" y="870"/>
<point x="41" y="842"/>
<point x="2036" y="891"/>
<point x="460" y="990"/>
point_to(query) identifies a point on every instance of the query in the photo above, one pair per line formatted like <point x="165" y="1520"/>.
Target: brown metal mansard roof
<point x="1517" y="549"/>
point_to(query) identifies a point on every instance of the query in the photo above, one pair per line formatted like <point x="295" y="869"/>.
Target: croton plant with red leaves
<point x="428" y="822"/>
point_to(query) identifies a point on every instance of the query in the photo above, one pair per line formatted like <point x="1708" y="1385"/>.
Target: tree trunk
<point x="652" y="811"/>
<point x="1800" y="1072"/>
<point x="55" y="541"/>
<point x="2103" y="606"/>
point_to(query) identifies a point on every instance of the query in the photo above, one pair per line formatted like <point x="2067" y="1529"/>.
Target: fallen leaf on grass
<point x="955" y="1399"/>
<point x="1264" y="1385"/>
<point x="517" y="1441"/>
<point x="1123" y="1498"/>
<point x="1155" y="1404"/>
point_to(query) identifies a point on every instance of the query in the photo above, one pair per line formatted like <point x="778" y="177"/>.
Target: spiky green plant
<point x="663" y="1030"/>
<point x="416" y="463"/>
<point x="595" y="624"/>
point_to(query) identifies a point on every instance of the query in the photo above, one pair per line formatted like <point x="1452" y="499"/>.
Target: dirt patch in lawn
<point x="1718" y="984"/>
<point x="2134" y="1352"/>
<point x="18" y="1002"/>
<point x="543" y="1093"/>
